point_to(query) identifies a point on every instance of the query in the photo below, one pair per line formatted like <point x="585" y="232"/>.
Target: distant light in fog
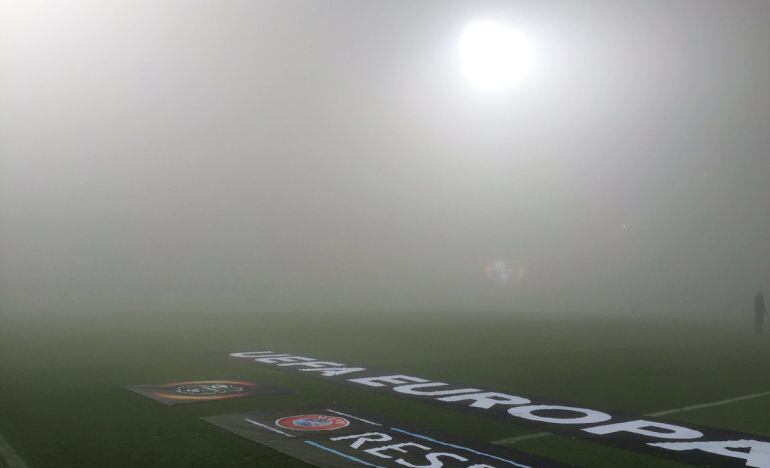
<point x="493" y="55"/>
<point x="500" y="271"/>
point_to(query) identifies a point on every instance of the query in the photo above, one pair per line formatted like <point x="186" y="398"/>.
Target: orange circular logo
<point x="312" y="422"/>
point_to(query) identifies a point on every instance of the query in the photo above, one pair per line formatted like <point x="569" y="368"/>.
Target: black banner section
<point x="336" y="437"/>
<point x="203" y="390"/>
<point x="702" y="446"/>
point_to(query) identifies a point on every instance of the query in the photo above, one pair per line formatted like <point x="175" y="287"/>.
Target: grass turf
<point x="61" y="401"/>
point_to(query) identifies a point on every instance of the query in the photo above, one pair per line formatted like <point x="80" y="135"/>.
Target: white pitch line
<point x="513" y="440"/>
<point x="354" y="417"/>
<point x="537" y="435"/>
<point x="265" y="426"/>
<point x="8" y="456"/>
<point x="709" y="405"/>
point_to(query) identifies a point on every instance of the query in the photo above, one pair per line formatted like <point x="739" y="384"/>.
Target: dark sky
<point x="224" y="154"/>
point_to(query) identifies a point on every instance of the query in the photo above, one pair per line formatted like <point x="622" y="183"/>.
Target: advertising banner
<point x="699" y="445"/>
<point x="334" y="437"/>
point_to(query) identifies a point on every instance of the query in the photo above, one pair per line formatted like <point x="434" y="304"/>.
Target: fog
<point x="322" y="155"/>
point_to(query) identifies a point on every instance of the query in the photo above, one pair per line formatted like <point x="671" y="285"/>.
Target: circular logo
<point x="312" y="422"/>
<point x="204" y="390"/>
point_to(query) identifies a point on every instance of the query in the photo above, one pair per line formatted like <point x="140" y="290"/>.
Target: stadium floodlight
<point x="493" y="55"/>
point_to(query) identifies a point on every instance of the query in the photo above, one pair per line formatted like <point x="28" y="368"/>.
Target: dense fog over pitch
<point x="324" y="154"/>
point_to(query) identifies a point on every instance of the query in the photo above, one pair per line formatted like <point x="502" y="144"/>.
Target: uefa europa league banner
<point x="689" y="443"/>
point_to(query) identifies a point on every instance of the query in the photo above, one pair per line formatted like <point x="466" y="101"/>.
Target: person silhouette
<point x="759" y="312"/>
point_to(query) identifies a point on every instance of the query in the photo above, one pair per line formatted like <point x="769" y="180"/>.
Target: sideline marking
<point x="8" y="456"/>
<point x="537" y="435"/>
<point x="354" y="417"/>
<point x="708" y="405"/>
<point x="265" y="426"/>
<point x="513" y="440"/>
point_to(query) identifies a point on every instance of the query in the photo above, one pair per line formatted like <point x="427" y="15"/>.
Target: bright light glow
<point x="493" y="55"/>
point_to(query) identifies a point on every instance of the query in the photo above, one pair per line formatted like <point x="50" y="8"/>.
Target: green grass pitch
<point x="62" y="405"/>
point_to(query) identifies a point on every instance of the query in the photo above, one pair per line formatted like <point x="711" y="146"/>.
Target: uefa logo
<point x="312" y="422"/>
